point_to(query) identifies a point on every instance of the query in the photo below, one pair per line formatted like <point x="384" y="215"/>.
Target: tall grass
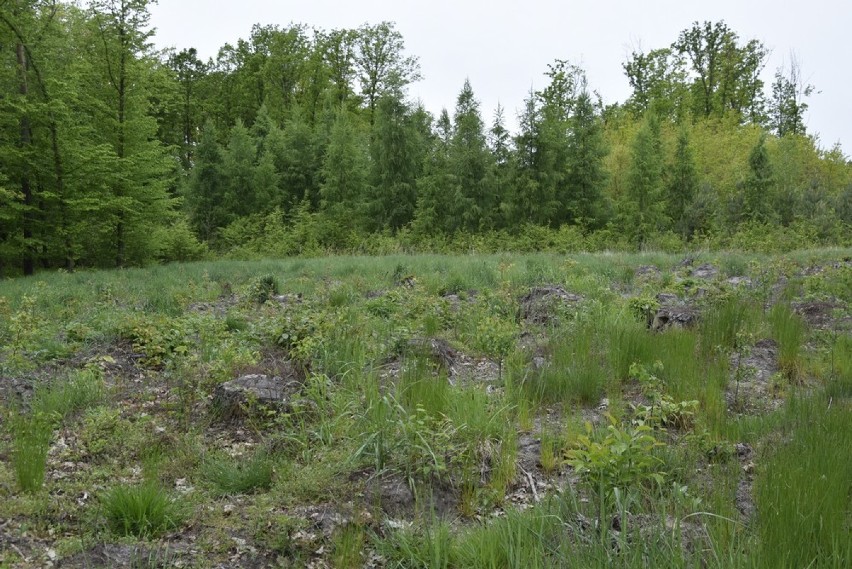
<point x="788" y="330"/>
<point x="31" y="436"/>
<point x="804" y="492"/>
<point x="722" y="325"/>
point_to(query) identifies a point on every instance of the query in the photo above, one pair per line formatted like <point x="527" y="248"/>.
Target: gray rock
<point x="739" y="281"/>
<point x="680" y="316"/>
<point x="240" y="396"/>
<point x="539" y="304"/>
<point x="705" y="271"/>
<point x="648" y="271"/>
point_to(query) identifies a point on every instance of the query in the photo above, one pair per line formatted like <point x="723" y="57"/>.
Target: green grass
<point x="228" y="476"/>
<point x="144" y="510"/>
<point x="804" y="492"/>
<point x="788" y="330"/>
<point x="370" y="409"/>
<point x="31" y="435"/>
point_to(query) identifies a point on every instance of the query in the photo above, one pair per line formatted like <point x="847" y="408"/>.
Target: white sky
<point x="504" y="47"/>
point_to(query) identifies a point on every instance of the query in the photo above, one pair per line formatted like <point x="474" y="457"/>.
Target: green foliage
<point x="619" y="457"/>
<point x="263" y="288"/>
<point x="144" y="510"/>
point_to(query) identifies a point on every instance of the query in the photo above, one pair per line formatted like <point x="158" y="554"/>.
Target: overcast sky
<point x="504" y="47"/>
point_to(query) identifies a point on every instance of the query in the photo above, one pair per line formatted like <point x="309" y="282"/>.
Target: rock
<point x="540" y="303"/>
<point x="436" y="349"/>
<point x="739" y="281"/>
<point x="238" y="397"/>
<point x="681" y="316"/>
<point x="648" y="272"/>
<point x="750" y="387"/>
<point x="667" y="298"/>
<point x="287" y="299"/>
<point x="705" y="271"/>
<point x="686" y="262"/>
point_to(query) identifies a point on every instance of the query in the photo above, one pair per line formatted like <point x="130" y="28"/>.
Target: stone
<point x="540" y="303"/>
<point x="238" y="397"/>
<point x="705" y="271"/>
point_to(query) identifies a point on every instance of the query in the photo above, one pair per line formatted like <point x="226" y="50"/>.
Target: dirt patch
<point x="822" y="315"/>
<point x="108" y="556"/>
<point x="647" y="272"/>
<point x="745" y="486"/>
<point x="459" y="367"/>
<point x="390" y="493"/>
<point x="705" y="271"/>
<point x="675" y="316"/>
<point x="237" y="398"/>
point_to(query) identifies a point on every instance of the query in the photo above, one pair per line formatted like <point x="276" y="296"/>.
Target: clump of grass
<point x="789" y="331"/>
<point x="722" y="325"/>
<point x="143" y="511"/>
<point x="230" y="476"/>
<point x="348" y="547"/>
<point x="30" y="443"/>
<point x="575" y="372"/>
<point x="430" y="548"/>
<point x="419" y="388"/>
<point x="62" y="398"/>
<point x="550" y="456"/>
<point x="628" y="342"/>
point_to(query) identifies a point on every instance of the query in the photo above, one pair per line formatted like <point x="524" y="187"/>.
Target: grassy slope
<point x="124" y="364"/>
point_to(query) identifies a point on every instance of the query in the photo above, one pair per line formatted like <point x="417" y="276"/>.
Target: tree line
<point x="302" y="140"/>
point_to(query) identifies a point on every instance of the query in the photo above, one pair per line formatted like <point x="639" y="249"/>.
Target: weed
<point x="144" y="510"/>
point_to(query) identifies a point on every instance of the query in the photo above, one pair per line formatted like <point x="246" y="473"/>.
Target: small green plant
<point x="230" y="476"/>
<point x="619" y="459"/>
<point x="144" y="510"/>
<point x="664" y="411"/>
<point x="644" y="308"/>
<point x="263" y="288"/>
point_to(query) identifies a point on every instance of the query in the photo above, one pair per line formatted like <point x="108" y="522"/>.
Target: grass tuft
<point x="230" y="476"/>
<point x="143" y="511"/>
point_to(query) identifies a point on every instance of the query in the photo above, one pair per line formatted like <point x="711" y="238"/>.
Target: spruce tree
<point x="586" y="176"/>
<point x="682" y="184"/>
